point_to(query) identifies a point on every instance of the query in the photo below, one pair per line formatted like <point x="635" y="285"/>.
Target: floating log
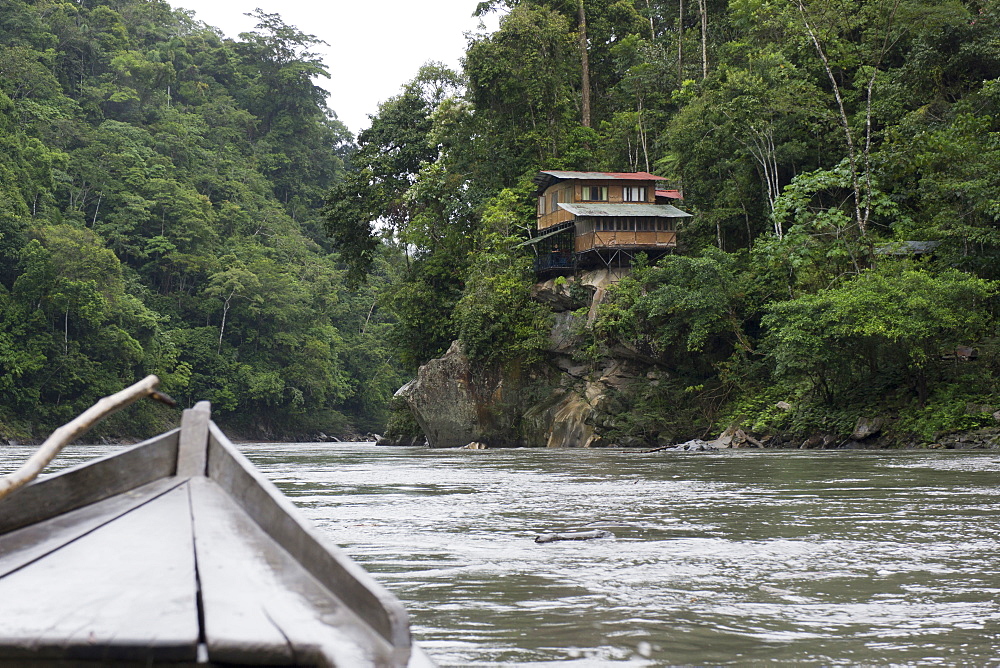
<point x="573" y="535"/>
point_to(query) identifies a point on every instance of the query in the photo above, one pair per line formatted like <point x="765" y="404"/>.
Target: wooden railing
<point x="622" y="238"/>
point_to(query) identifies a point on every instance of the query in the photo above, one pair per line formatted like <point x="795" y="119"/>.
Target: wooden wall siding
<point x="573" y="193"/>
<point x="591" y="240"/>
<point x="550" y="219"/>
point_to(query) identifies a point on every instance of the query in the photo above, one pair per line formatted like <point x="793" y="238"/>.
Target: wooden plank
<point x="279" y="518"/>
<point x="228" y="550"/>
<point x="260" y="605"/>
<point x="90" y="482"/>
<point x="126" y="591"/>
<point x="554" y="218"/>
<point x="23" y="546"/>
<point x="192" y="454"/>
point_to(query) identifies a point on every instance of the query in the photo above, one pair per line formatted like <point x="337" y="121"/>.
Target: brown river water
<point x="730" y="558"/>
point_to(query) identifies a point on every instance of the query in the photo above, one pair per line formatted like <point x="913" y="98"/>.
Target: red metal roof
<point x="628" y="176"/>
<point x="672" y="194"/>
<point x="547" y="178"/>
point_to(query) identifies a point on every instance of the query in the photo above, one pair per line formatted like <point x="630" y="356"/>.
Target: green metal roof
<point x="603" y="210"/>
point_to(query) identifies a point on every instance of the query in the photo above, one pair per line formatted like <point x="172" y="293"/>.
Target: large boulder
<point x="443" y="401"/>
<point x="598" y="281"/>
<point x="866" y="427"/>
<point x="556" y="294"/>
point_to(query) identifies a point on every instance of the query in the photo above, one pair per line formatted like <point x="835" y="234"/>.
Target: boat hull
<point x="178" y="551"/>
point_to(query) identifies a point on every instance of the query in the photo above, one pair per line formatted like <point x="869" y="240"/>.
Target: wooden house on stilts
<point x="601" y="219"/>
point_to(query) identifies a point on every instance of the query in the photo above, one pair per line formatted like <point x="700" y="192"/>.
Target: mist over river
<point x="732" y="557"/>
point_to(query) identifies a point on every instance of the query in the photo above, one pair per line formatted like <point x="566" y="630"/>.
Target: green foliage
<point x="685" y="302"/>
<point x="497" y="320"/>
<point x="401" y="425"/>
<point x="813" y="135"/>
<point x="951" y="406"/>
<point x="160" y="213"/>
<point x="172" y="201"/>
<point x="894" y="319"/>
<point x="659" y="411"/>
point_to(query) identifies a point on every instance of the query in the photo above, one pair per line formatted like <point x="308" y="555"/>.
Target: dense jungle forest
<point x="180" y="203"/>
<point x="161" y="212"/>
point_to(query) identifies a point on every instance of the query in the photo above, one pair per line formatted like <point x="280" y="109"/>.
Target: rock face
<point x="442" y="400"/>
<point x="454" y="408"/>
<point x="563" y="421"/>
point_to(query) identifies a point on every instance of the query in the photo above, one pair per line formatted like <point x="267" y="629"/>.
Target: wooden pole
<point x="76" y="428"/>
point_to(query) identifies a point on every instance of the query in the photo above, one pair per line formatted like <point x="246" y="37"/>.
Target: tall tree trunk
<point x="844" y="121"/>
<point x="100" y="196"/>
<point x="862" y="192"/>
<point x="680" y="42"/>
<point x="642" y="137"/>
<point x="584" y="65"/>
<point x="225" y="312"/>
<point x="704" y="39"/>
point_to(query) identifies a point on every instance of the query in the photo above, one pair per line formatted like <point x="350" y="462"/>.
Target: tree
<point x="158" y="181"/>
<point x="86" y="334"/>
<point x="897" y="318"/>
<point x="496" y="303"/>
<point x="390" y="154"/>
<point x="521" y="85"/>
<point x="682" y="303"/>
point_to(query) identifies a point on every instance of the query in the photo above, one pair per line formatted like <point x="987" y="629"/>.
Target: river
<point x="718" y="558"/>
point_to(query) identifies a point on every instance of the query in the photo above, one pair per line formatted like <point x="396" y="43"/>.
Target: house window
<point x="634" y="194"/>
<point x="553" y="200"/>
<point x="541" y="205"/>
<point x="595" y="193"/>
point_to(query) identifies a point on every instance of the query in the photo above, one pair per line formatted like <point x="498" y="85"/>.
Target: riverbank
<point x="978" y="439"/>
<point x="585" y="390"/>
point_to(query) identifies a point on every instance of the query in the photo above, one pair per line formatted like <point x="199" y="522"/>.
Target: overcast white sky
<point x="375" y="45"/>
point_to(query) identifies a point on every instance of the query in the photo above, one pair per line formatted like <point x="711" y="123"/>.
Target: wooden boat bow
<point x="178" y="551"/>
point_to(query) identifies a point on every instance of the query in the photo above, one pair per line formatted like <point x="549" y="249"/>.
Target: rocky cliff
<point x="564" y="401"/>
